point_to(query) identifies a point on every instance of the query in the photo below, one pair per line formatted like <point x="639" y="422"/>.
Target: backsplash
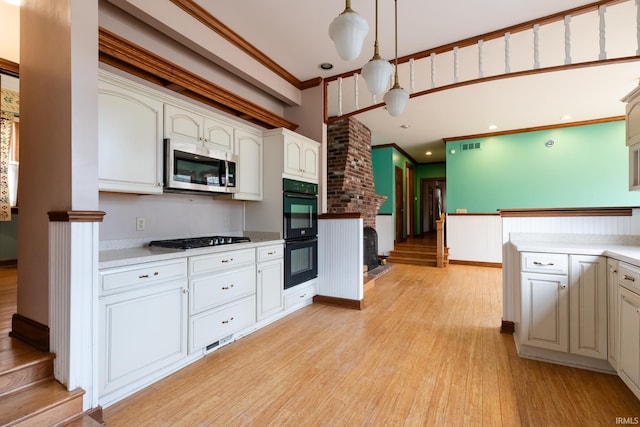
<point x="167" y="216"/>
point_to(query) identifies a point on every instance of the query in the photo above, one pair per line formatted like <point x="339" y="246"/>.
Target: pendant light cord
<point x="395" y="82"/>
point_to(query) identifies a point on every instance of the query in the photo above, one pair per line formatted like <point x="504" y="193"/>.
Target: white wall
<point x="168" y="216"/>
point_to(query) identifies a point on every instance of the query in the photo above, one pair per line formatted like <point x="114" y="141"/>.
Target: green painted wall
<point x="382" y="163"/>
<point x="586" y="167"/>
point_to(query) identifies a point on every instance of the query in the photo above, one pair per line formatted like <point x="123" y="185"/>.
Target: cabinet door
<point x="217" y="135"/>
<point x="310" y="161"/>
<point x="545" y="311"/>
<point x="612" y="295"/>
<point x="634" y="167"/>
<point x="141" y="332"/>
<point x="293" y="149"/>
<point x="249" y="150"/>
<point x="629" y="339"/>
<point x="588" y="293"/>
<point x="270" y="288"/>
<point x="129" y="141"/>
<point x="183" y="124"/>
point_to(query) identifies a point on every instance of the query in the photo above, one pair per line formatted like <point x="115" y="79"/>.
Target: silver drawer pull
<point x="227" y="260"/>
<point x="631" y="279"/>
<point x="542" y="264"/>
<point x="146" y="276"/>
<point x="303" y="295"/>
<point x="563" y="286"/>
<point x="226" y="288"/>
<point x="224" y="322"/>
<point x="271" y="253"/>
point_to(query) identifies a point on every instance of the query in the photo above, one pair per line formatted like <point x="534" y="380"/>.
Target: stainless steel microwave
<point x="189" y="167"/>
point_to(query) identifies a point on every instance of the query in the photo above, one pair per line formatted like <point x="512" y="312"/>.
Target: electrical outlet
<point x="461" y="211"/>
<point x="140" y="224"/>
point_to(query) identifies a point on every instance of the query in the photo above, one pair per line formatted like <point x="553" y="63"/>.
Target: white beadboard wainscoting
<point x="475" y="238"/>
<point x="73" y="300"/>
<point x="340" y="258"/>
<point x="386" y="233"/>
<point x="607" y="225"/>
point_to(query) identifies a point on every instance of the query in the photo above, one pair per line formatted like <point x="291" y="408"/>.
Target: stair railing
<point x="601" y="32"/>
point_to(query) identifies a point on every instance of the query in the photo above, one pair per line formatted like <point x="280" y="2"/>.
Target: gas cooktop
<point x="199" y="242"/>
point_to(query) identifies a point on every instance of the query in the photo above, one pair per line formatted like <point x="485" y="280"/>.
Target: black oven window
<point x="301" y="260"/>
<point x="301" y="216"/>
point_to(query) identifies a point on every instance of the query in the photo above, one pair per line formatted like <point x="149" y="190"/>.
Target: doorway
<point x="433" y="197"/>
<point x="399" y="205"/>
<point x="410" y="208"/>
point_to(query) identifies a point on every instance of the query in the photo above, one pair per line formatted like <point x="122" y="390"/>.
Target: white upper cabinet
<point x="249" y="148"/>
<point x="632" y="136"/>
<point x="198" y="129"/>
<point x="301" y="154"/>
<point x="129" y="138"/>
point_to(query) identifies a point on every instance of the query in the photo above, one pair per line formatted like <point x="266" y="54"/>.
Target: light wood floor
<point x="426" y="351"/>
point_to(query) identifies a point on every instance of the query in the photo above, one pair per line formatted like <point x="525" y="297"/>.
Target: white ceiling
<point x="295" y="35"/>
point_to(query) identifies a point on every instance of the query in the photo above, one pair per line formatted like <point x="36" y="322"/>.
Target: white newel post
<point x="73" y="298"/>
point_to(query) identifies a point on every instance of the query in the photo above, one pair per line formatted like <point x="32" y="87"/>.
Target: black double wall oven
<point x="300" y="208"/>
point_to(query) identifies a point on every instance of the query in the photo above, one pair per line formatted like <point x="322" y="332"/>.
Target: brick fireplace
<point x="350" y="185"/>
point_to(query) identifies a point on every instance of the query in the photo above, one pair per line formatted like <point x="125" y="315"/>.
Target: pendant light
<point x="348" y="31"/>
<point x="397" y="97"/>
<point x="377" y="71"/>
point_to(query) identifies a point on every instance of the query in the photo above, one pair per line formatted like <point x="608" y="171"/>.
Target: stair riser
<point x="58" y="415"/>
<point x="16" y="380"/>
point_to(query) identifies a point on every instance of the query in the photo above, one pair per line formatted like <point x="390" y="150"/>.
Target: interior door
<point x="399" y="202"/>
<point x="410" y="201"/>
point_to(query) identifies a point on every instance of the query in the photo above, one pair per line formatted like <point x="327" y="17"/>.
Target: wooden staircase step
<point x="22" y="365"/>
<point x="413" y="260"/>
<point x="44" y="404"/>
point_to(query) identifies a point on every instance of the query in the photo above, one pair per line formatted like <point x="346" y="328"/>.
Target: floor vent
<point x="470" y="146"/>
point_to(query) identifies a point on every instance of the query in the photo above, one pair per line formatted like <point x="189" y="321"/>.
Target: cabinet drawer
<point x="117" y="279"/>
<point x="211" y="326"/>
<point x="629" y="276"/>
<point x="207" y="263"/>
<point x="211" y="291"/>
<point x="270" y="252"/>
<point x="299" y="295"/>
<point x="536" y="262"/>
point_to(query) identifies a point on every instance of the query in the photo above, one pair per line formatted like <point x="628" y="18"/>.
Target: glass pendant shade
<point x="376" y="74"/>
<point x="348" y="31"/>
<point x="395" y="100"/>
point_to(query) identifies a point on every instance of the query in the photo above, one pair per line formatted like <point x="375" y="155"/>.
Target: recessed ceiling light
<point x="428" y="153"/>
<point x="493" y="127"/>
<point x="405" y="126"/>
<point x="566" y="117"/>
<point x="325" y="66"/>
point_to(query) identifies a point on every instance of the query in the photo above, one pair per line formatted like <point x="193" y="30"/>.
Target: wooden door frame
<point x="424" y="183"/>
<point x="398" y="207"/>
<point x="410" y="202"/>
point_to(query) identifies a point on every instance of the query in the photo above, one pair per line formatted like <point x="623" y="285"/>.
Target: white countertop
<point x="135" y="255"/>
<point x="622" y="248"/>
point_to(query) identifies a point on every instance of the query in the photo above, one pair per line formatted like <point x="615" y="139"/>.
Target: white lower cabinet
<point x="222" y="296"/>
<point x="612" y="330"/>
<point x="629" y="326"/>
<point x="565" y="311"/>
<point x="300" y="294"/>
<point x="270" y="280"/>
<point x="141" y="330"/>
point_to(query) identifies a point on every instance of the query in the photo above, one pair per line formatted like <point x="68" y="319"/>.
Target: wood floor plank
<point x="425" y="351"/>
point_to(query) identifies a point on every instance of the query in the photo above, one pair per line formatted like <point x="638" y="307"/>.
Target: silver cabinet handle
<point x="543" y="264"/>
<point x="271" y="253"/>
<point x="627" y="277"/>
<point x="563" y="286"/>
<point x="227" y="260"/>
<point x="146" y="276"/>
<point x="185" y="291"/>
<point x="303" y="295"/>
<point x="224" y="322"/>
<point x="226" y="288"/>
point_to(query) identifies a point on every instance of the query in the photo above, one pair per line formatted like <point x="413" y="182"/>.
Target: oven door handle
<point x="300" y="195"/>
<point x="298" y="241"/>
